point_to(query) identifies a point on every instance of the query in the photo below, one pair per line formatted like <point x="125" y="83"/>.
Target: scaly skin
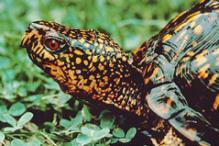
<point x="154" y="83"/>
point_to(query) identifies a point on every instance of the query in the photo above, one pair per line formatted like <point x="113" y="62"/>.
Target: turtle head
<point x="83" y="62"/>
<point x="72" y="57"/>
<point x="51" y="42"/>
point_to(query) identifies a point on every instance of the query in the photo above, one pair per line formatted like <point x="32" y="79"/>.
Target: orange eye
<point x="52" y="44"/>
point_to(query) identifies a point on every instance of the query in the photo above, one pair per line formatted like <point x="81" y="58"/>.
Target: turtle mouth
<point x="25" y="42"/>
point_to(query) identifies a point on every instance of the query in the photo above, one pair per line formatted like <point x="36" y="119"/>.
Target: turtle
<point x="171" y="80"/>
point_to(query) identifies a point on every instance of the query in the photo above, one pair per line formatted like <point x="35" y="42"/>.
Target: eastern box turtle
<point x="172" y="79"/>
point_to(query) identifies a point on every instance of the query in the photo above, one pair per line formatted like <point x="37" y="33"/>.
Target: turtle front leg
<point x="168" y="102"/>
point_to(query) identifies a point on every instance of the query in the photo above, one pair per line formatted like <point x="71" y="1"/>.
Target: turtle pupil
<point x="53" y="45"/>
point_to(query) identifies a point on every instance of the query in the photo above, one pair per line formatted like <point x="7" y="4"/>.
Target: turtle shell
<point x="186" y="52"/>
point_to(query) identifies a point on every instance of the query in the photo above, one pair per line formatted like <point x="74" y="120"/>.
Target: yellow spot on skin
<point x="95" y="44"/>
<point x="127" y="108"/>
<point x="200" y="55"/>
<point x="100" y="46"/>
<point x="80" y="77"/>
<point x="47" y="55"/>
<point x="91" y="77"/>
<point x="71" y="74"/>
<point x="108" y="57"/>
<point x="100" y="40"/>
<point x="179" y="27"/>
<point x="111" y="64"/>
<point x="60" y="63"/>
<point x="155" y="72"/>
<point x="94" y="59"/>
<point x="109" y="49"/>
<point x="117" y="81"/>
<point x="202" y="73"/>
<point x="202" y="1"/>
<point x="38" y="60"/>
<point x="81" y="40"/>
<point x="119" y="55"/>
<point x="78" y="71"/>
<point x="190" y="53"/>
<point x="124" y="58"/>
<point x="64" y="68"/>
<point x="185" y="59"/>
<point x="89" y="57"/>
<point x="194" y="16"/>
<point x="82" y="85"/>
<point x="56" y="72"/>
<point x="102" y="84"/>
<point x="101" y="67"/>
<point x="138" y="111"/>
<point x="105" y="78"/>
<point x="78" y="60"/>
<point x="179" y="15"/>
<point x="114" y="59"/>
<point x="198" y="30"/>
<point x="86" y="88"/>
<point x="133" y="102"/>
<point x="78" y="52"/>
<point x="98" y="76"/>
<point x="85" y="62"/>
<point x="146" y="81"/>
<point x="216" y="102"/>
<point x="167" y="37"/>
<point x="191" y="18"/>
<point x="213" y="79"/>
<point x="92" y="68"/>
<point x="88" y="52"/>
<point x="170" y="139"/>
<point x="102" y="58"/>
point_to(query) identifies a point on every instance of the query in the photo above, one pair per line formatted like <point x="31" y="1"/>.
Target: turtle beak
<point x="37" y="26"/>
<point x="29" y="34"/>
<point x="23" y="43"/>
<point x="26" y="37"/>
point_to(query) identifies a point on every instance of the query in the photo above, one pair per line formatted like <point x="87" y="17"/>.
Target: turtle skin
<point x="169" y="83"/>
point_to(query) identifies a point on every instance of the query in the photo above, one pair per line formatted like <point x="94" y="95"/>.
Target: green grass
<point x="32" y="107"/>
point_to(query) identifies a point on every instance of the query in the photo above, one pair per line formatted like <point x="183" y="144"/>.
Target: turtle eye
<point x="54" y="44"/>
